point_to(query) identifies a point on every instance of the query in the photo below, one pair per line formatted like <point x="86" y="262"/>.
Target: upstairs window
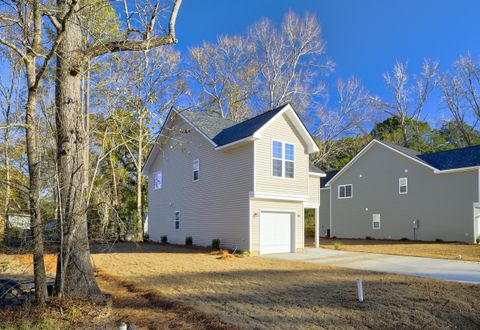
<point x="177" y="220"/>
<point x="196" y="169"/>
<point x="376" y="221"/>
<point x="403" y="186"/>
<point x="157" y="180"/>
<point x="345" y="191"/>
<point x="283" y="159"/>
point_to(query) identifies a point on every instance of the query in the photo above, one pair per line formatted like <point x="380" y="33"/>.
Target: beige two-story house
<point x="246" y="184"/>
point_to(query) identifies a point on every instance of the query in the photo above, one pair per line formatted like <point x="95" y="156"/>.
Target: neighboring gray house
<point x="246" y="183"/>
<point x="387" y="191"/>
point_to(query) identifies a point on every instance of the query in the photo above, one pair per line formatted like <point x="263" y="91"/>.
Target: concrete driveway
<point x="450" y="270"/>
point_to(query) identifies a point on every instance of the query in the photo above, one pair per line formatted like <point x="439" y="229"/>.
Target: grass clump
<point x="337" y="245"/>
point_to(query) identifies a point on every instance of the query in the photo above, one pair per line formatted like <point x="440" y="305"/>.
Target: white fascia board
<point x="282" y="197"/>
<point x="320" y="175"/>
<point x="324" y="188"/>
<point x="454" y="170"/>
<point x="248" y="138"/>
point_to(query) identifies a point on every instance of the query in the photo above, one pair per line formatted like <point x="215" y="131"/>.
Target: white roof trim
<point x="282" y="197"/>
<point x="248" y="138"/>
<point x="364" y="150"/>
<point x="312" y="146"/>
<point x="460" y="169"/>
<point x="321" y="175"/>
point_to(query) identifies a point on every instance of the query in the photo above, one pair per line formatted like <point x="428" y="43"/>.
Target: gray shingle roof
<point x="444" y="160"/>
<point x="453" y="159"/>
<point x="209" y="123"/>
<point x="314" y="169"/>
<point x="224" y="131"/>
<point x="330" y="175"/>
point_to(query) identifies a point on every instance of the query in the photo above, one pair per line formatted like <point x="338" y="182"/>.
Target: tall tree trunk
<point x="6" y="164"/>
<point x="139" y="184"/>
<point x="34" y="194"/>
<point x="116" y="225"/>
<point x="75" y="277"/>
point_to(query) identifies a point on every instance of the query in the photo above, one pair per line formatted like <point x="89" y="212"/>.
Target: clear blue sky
<point x="364" y="38"/>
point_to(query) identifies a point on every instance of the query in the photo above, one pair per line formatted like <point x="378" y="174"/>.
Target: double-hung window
<point x="157" y="180"/>
<point x="283" y="159"/>
<point x="403" y="186"/>
<point x="345" y="191"/>
<point x="177" y="220"/>
<point x="196" y="169"/>
<point x="376" y="221"/>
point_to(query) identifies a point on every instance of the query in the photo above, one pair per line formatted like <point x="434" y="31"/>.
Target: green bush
<point x="215" y="244"/>
<point x="163" y="239"/>
<point x="438" y="240"/>
<point x="337" y="245"/>
<point x="404" y="239"/>
<point x="478" y="239"/>
<point x="189" y="240"/>
<point x="245" y="254"/>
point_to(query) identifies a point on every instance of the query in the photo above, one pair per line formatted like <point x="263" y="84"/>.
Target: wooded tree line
<point x="86" y="84"/>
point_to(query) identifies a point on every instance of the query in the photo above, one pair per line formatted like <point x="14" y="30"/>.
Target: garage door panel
<point x="275" y="232"/>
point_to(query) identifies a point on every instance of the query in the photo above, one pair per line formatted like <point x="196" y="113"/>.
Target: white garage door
<point x="275" y="232"/>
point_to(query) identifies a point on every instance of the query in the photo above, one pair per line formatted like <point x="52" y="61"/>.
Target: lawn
<point x="263" y="293"/>
<point x="469" y="252"/>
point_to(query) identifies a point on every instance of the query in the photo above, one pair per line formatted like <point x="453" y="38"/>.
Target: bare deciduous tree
<point x="409" y="99"/>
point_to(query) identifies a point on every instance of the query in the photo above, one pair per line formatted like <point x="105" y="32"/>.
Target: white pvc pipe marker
<point x="360" y="289"/>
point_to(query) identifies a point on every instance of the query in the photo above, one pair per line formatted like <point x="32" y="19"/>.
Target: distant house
<point x="16" y="227"/>
<point x="387" y="191"/>
<point x="246" y="184"/>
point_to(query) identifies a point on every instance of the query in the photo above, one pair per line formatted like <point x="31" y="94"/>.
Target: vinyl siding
<point x="313" y="190"/>
<point x="259" y="205"/>
<point x="214" y="207"/>
<point x="283" y="130"/>
<point x="442" y="202"/>
<point x="324" y="211"/>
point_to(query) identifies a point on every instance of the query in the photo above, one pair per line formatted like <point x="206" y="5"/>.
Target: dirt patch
<point x="452" y="251"/>
<point x="255" y="292"/>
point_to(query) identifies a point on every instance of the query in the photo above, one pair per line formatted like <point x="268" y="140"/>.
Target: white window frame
<point x="400" y="186"/>
<point x="283" y="159"/>
<point x="177" y="219"/>
<point x="195" y="169"/>
<point x="379" y="221"/>
<point x="345" y="186"/>
<point x="155" y="175"/>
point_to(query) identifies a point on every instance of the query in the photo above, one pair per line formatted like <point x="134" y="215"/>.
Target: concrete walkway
<point x="450" y="270"/>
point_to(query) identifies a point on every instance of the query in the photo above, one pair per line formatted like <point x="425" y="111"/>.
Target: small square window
<point x="403" y="185"/>
<point x="196" y="169"/>
<point x="345" y="191"/>
<point x="376" y="221"/>
<point x="157" y="180"/>
<point x="177" y="220"/>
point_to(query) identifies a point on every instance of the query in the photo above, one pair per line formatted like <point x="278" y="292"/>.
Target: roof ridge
<point x="260" y="115"/>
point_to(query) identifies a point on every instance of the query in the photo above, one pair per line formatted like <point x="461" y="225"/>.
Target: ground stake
<point x="360" y="289"/>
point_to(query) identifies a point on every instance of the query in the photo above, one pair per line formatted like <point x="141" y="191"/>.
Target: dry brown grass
<point x="265" y="293"/>
<point x="469" y="252"/>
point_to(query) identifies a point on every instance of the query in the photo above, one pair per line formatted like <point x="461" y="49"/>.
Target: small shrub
<point x="438" y="240"/>
<point x="189" y="240"/>
<point x="337" y="245"/>
<point x="245" y="254"/>
<point x="404" y="239"/>
<point x="368" y="237"/>
<point x="215" y="244"/>
<point x="478" y="239"/>
<point x="163" y="239"/>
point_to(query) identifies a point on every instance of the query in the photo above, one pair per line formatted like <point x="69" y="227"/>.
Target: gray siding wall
<point x="324" y="211"/>
<point x="442" y="202"/>
<point x="216" y="206"/>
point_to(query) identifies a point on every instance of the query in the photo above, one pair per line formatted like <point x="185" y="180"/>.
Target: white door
<point x="275" y="232"/>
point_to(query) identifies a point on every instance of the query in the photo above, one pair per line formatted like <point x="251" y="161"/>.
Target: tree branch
<point x="138" y="45"/>
<point x="15" y="49"/>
